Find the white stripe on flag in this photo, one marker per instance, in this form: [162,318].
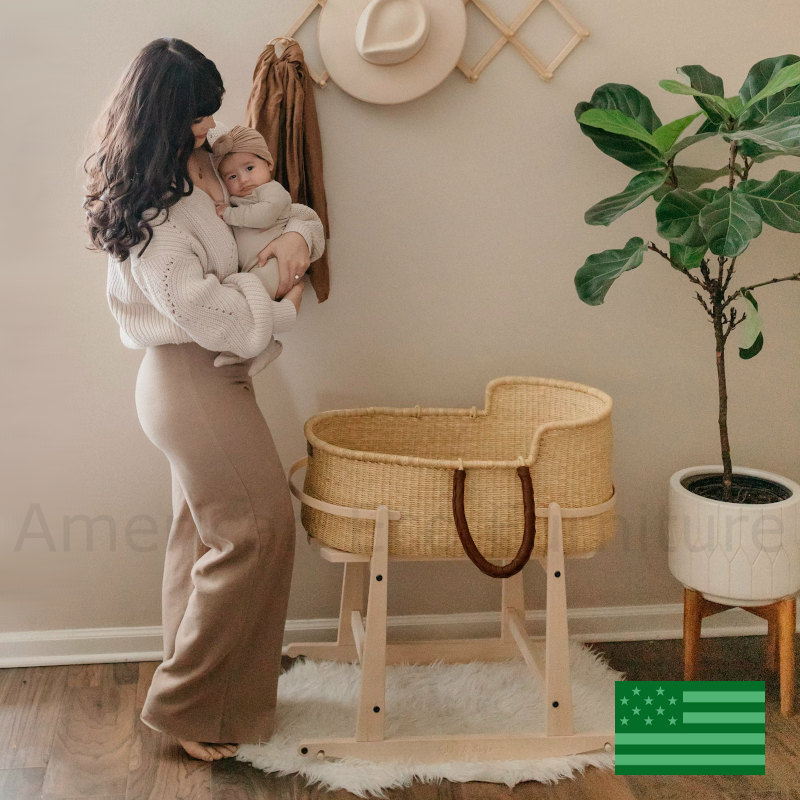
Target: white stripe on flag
[689,738]
[688,758]
[723,697]
[721,717]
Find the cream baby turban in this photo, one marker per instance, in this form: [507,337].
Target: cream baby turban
[241,139]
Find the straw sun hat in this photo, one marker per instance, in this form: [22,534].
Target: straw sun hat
[391,51]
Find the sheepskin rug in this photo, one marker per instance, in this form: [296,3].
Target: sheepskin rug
[319,699]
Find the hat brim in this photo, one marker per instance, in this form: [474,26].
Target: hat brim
[395,83]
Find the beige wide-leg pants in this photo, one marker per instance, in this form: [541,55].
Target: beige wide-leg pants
[230,551]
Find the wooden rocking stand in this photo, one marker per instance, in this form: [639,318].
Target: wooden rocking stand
[364,640]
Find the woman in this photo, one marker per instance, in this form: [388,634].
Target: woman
[174,288]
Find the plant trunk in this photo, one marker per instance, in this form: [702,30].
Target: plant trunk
[727,470]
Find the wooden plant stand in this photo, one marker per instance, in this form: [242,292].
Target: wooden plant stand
[781,621]
[362,637]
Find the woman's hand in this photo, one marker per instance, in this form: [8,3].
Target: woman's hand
[291,250]
[295,294]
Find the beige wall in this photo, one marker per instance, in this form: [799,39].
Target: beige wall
[457,225]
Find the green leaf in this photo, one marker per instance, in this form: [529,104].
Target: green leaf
[615,121]
[629,100]
[690,178]
[703,80]
[688,257]
[677,216]
[632,103]
[594,278]
[783,103]
[729,223]
[783,136]
[755,349]
[637,191]
[749,148]
[765,156]
[662,191]
[676,87]
[777,201]
[666,135]
[751,338]
[632,153]
[783,79]
[709,126]
[779,106]
[708,83]
[688,141]
[719,104]
[735,104]
[762,72]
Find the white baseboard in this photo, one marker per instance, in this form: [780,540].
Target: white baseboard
[609,624]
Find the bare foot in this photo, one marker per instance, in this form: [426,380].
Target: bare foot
[208,751]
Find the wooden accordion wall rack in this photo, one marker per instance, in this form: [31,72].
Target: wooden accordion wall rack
[508,35]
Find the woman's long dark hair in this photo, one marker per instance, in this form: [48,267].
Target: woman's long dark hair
[143,140]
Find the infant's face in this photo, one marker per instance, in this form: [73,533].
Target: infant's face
[242,172]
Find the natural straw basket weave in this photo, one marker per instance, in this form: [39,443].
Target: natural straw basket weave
[405,458]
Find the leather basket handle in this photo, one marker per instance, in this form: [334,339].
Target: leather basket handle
[525,549]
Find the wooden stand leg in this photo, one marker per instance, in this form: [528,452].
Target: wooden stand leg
[787,620]
[370,722]
[558,684]
[781,617]
[513,632]
[513,596]
[352,600]
[692,621]
[772,644]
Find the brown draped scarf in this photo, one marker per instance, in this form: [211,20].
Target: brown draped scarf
[281,107]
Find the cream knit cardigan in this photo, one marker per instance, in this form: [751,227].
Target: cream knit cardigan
[187,286]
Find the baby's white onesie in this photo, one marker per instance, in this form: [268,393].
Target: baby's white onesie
[257,219]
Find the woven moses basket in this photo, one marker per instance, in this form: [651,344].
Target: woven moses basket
[467,480]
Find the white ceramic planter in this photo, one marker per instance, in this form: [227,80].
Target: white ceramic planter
[735,553]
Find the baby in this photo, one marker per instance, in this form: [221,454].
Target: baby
[259,211]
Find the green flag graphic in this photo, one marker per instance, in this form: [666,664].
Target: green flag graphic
[689,728]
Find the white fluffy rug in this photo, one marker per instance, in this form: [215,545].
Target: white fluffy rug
[320,698]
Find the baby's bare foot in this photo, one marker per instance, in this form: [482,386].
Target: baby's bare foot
[208,751]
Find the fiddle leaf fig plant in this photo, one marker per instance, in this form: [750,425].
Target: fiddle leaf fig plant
[705,229]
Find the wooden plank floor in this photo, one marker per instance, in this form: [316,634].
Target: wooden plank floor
[74,732]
